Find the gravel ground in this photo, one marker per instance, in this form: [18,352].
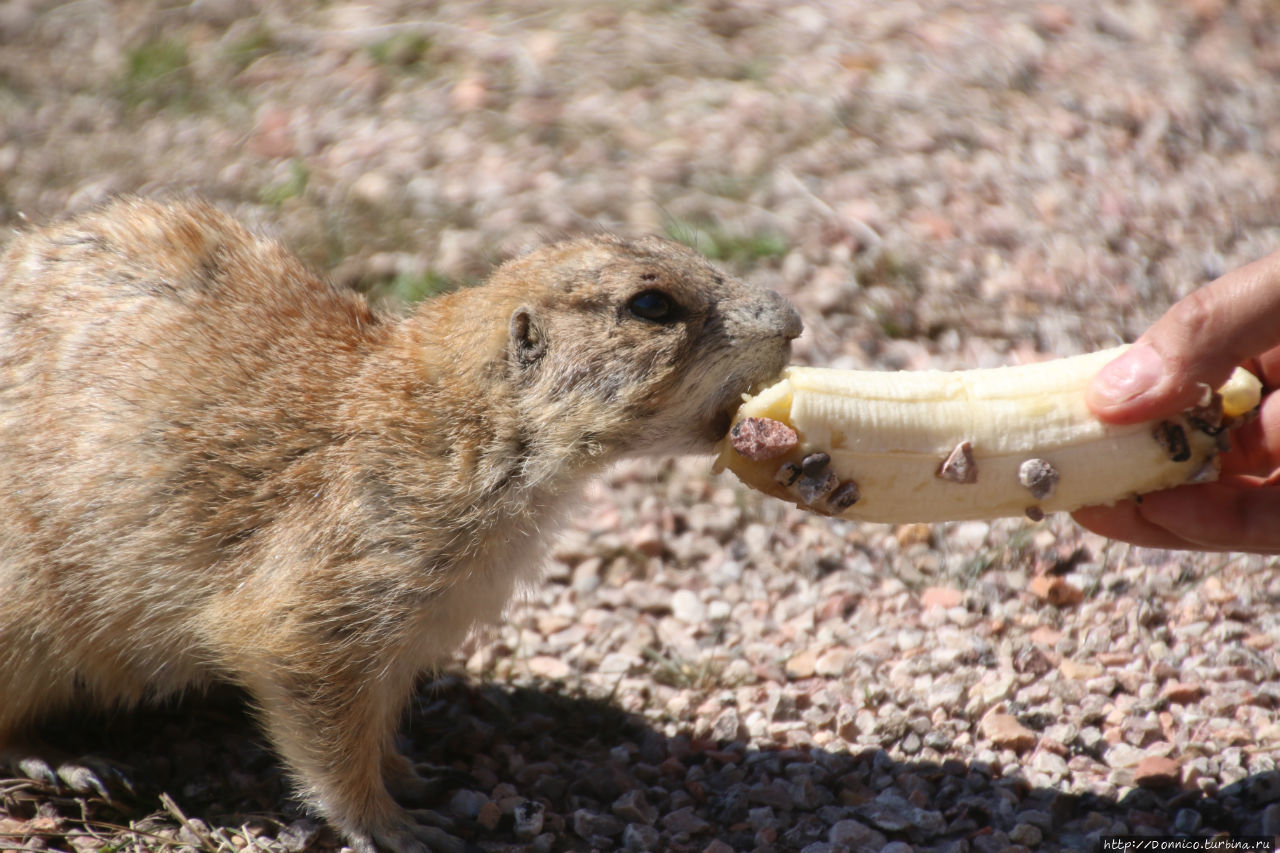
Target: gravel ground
[934,184]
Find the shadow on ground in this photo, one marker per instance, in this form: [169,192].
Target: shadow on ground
[605,780]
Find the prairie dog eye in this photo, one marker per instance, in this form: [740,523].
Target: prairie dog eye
[654,306]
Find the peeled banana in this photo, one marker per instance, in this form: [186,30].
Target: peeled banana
[925,446]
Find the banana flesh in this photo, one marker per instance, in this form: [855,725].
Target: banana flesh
[927,446]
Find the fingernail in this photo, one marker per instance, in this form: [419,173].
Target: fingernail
[1129,376]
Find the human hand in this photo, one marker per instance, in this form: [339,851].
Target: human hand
[1233,321]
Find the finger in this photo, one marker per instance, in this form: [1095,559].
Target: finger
[1267,368]
[1226,516]
[1195,344]
[1255,446]
[1123,521]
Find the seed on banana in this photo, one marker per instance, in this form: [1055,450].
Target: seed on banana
[931,445]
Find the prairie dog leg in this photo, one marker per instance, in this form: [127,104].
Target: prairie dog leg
[337,742]
[402,779]
[417,784]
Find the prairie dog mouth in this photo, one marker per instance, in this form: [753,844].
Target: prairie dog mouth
[718,425]
[721,419]
[740,388]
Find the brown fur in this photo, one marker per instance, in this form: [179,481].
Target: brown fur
[215,465]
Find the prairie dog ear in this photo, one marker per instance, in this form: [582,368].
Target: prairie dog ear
[528,342]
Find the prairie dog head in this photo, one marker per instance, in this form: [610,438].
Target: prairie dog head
[633,347]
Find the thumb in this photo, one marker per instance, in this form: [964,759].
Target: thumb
[1195,345]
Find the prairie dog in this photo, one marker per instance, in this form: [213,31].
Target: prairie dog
[215,465]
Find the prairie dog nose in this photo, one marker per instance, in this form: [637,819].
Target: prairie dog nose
[792,325]
[775,310]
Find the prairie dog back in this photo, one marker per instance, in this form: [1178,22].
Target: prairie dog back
[142,412]
[216,465]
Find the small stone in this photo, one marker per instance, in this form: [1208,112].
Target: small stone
[1091,737]
[970,534]
[1216,591]
[781,705]
[1122,755]
[467,804]
[891,813]
[585,577]
[489,815]
[727,725]
[775,794]
[946,695]
[471,93]
[996,687]
[1055,590]
[587,824]
[633,807]
[813,488]
[616,663]
[815,464]
[1048,762]
[1034,513]
[1271,820]
[959,466]
[760,439]
[846,495]
[1079,671]
[1037,818]
[913,534]
[1006,732]
[1187,822]
[717,846]
[647,539]
[787,474]
[847,721]
[909,638]
[1045,636]
[1039,477]
[529,816]
[891,816]
[897,847]
[1103,685]
[994,842]
[850,834]
[834,663]
[1156,771]
[1263,787]
[1181,692]
[688,608]
[684,820]
[1026,835]
[637,836]
[545,666]
[373,188]
[802,664]
[944,597]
